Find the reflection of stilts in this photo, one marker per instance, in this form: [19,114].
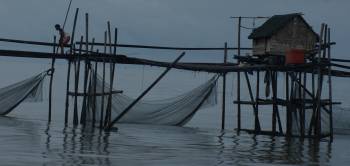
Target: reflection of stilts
[221,148]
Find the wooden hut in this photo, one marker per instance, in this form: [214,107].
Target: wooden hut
[282,33]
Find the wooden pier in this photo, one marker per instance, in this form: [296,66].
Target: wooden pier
[303,83]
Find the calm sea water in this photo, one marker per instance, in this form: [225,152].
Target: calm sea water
[27,139]
[27,142]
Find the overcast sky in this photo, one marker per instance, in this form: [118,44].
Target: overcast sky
[187,23]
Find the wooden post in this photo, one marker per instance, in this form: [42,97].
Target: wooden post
[121,115]
[224,91]
[302,117]
[109,104]
[71,50]
[274,105]
[67,94]
[112,74]
[257,127]
[330,85]
[300,103]
[51,78]
[94,96]
[292,99]
[277,110]
[239,77]
[91,98]
[288,110]
[103,80]
[76,86]
[319,87]
[86,70]
[238,101]
[257,92]
[69,68]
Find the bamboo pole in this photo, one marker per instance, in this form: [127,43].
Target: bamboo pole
[319,87]
[49,44]
[303,107]
[51,79]
[94,97]
[239,101]
[67,90]
[292,99]
[257,127]
[90,99]
[112,74]
[69,67]
[257,92]
[86,70]
[239,77]
[76,86]
[103,80]
[330,86]
[300,103]
[274,116]
[288,110]
[131,105]
[313,124]
[277,110]
[224,91]
[109,104]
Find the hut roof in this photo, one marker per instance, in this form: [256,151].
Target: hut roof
[274,24]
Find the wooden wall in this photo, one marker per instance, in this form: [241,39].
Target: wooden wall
[295,34]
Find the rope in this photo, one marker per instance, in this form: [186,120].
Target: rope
[249,28]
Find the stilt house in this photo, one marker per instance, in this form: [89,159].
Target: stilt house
[282,33]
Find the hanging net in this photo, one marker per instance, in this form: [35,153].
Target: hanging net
[172,111]
[27,90]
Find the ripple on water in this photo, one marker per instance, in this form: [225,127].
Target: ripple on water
[26,142]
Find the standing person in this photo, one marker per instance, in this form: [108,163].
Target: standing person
[64,37]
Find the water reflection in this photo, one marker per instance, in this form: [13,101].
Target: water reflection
[51,144]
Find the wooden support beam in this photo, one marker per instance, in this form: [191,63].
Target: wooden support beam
[275,115]
[330,86]
[94,110]
[131,105]
[51,80]
[256,115]
[103,81]
[111,75]
[69,66]
[257,94]
[224,92]
[288,110]
[239,76]
[66,113]
[318,126]
[86,71]
[138,46]
[302,116]
[76,85]
[239,101]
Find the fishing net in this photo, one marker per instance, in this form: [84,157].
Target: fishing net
[27,90]
[172,111]
[341,122]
